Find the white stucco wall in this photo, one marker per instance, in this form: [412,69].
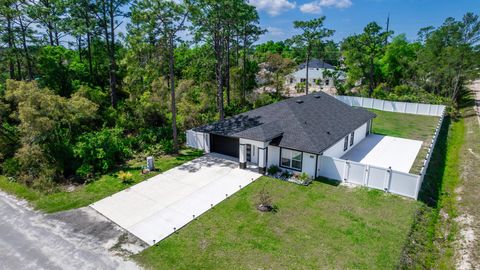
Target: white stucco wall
[308,163]
[255,148]
[337,149]
[273,155]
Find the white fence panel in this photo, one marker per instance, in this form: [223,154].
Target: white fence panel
[368,102]
[376,177]
[191,139]
[400,183]
[331,168]
[389,106]
[378,104]
[411,108]
[404,184]
[356,173]
[423,109]
[355,101]
[198,140]
[393,106]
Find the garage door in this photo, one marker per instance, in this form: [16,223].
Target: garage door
[224,145]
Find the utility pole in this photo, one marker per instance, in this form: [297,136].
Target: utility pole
[388,28]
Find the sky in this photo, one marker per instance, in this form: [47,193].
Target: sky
[348,17]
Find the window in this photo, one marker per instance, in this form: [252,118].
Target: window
[291,80]
[291,159]
[345,144]
[327,82]
[303,80]
[352,138]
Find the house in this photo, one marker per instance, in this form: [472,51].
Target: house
[290,134]
[321,76]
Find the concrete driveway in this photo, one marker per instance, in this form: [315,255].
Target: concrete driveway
[155,208]
[76,239]
[386,151]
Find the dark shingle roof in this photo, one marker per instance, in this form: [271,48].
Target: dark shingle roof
[316,63]
[310,123]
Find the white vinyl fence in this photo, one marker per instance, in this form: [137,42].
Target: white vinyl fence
[388,180]
[198,140]
[431,147]
[393,106]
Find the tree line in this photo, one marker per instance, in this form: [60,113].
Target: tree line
[78,96]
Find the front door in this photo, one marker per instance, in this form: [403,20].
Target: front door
[249,152]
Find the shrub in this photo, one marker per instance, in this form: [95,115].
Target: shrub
[35,169]
[100,151]
[11,167]
[125,177]
[304,177]
[272,170]
[286,174]
[300,87]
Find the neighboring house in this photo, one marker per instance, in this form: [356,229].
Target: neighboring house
[290,134]
[320,77]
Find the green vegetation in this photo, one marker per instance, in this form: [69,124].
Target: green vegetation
[73,196]
[77,102]
[409,126]
[320,225]
[431,240]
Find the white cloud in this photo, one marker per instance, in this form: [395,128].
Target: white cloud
[312,7]
[315,7]
[273,7]
[275,32]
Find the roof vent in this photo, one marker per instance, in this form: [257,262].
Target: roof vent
[317,96]
[299,101]
[328,132]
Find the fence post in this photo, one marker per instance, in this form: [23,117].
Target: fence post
[419,184]
[362,101]
[388,177]
[383,105]
[366,175]
[416,108]
[405,107]
[345,171]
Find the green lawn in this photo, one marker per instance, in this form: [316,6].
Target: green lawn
[84,195]
[409,126]
[319,226]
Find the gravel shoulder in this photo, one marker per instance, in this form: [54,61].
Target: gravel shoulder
[75,239]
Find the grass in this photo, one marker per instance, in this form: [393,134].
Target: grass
[409,126]
[431,241]
[84,195]
[319,226]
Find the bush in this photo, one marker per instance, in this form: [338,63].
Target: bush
[11,167]
[304,177]
[125,177]
[35,169]
[100,151]
[301,87]
[286,174]
[272,170]
[153,140]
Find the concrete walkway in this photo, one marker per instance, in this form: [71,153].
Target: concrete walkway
[155,208]
[33,240]
[385,151]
